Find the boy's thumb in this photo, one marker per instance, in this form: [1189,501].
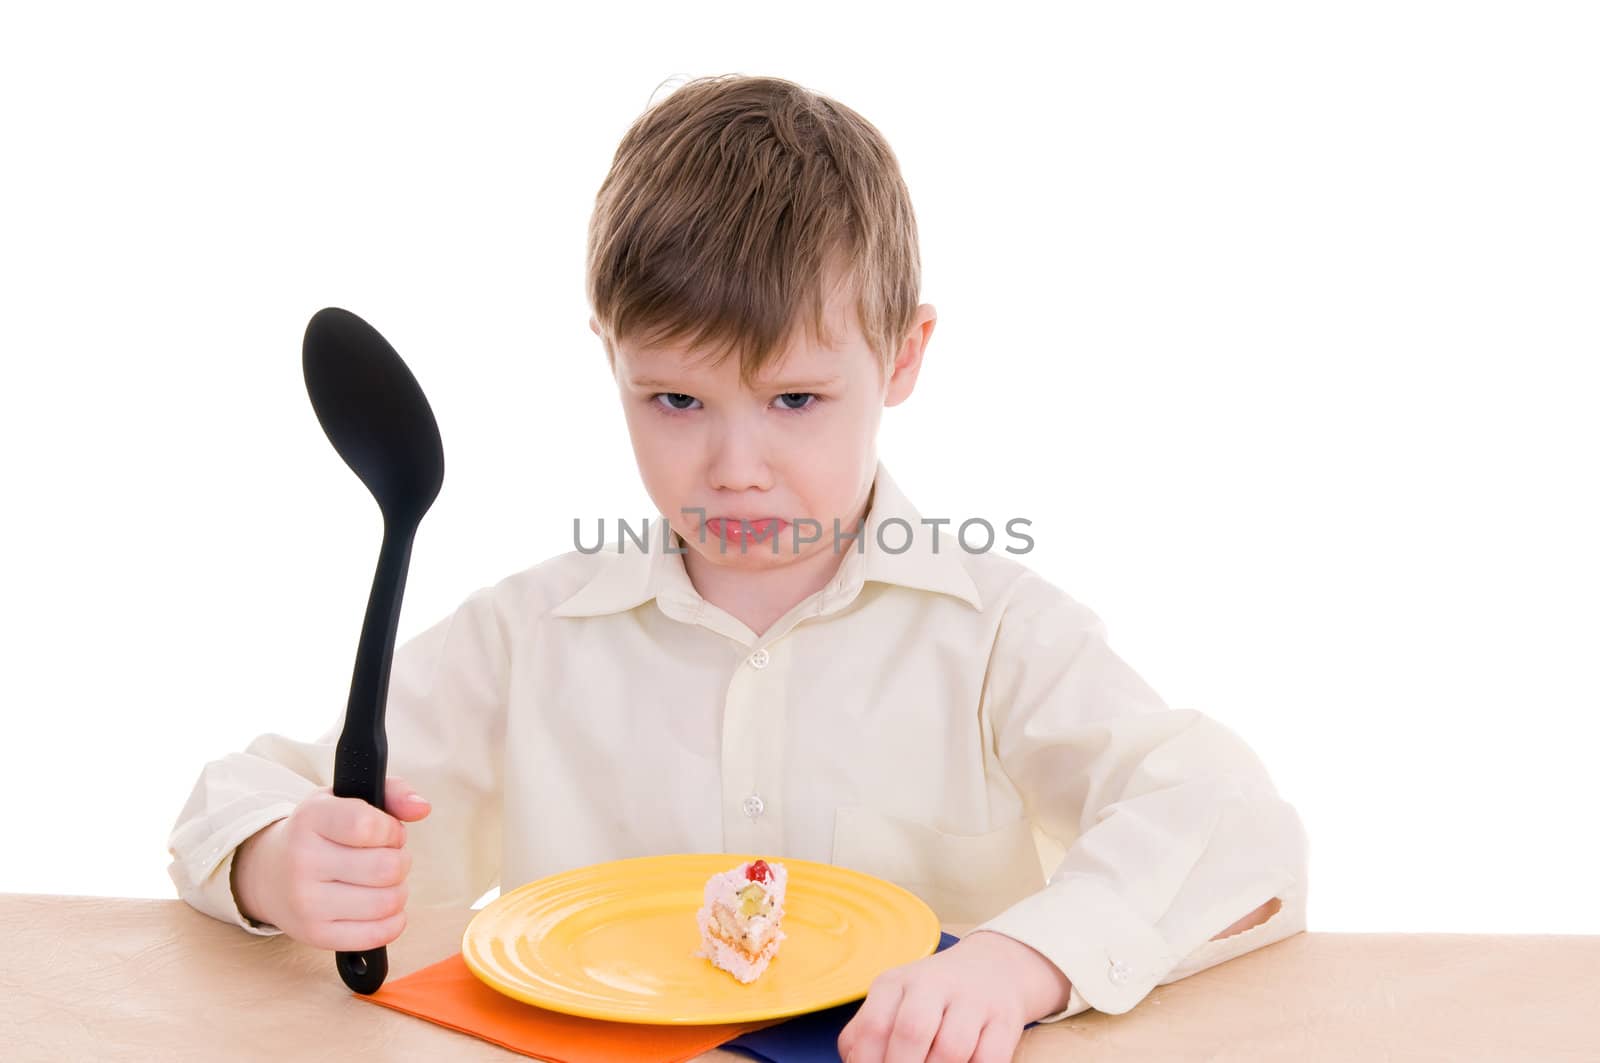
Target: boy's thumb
[402,802]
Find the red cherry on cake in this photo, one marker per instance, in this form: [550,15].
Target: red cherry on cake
[758,871]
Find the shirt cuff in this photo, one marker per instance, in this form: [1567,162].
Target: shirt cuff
[203,851]
[1112,956]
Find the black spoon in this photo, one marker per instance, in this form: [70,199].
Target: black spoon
[380,423]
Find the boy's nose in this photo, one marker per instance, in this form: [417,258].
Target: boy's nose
[738,459]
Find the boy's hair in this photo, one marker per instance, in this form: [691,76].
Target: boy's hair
[730,204]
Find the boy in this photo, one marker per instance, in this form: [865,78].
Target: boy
[804,666]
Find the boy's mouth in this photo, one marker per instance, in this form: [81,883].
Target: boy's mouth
[730,528]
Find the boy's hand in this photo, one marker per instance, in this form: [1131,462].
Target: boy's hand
[967,1003]
[332,874]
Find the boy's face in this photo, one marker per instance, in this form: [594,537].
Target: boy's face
[801,444]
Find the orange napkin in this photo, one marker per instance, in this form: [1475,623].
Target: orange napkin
[449,994]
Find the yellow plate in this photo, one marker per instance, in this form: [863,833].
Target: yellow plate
[617,940]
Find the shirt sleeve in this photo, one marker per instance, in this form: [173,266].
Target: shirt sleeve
[445,722]
[1172,828]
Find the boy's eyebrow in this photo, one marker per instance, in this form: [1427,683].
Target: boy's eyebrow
[805,385]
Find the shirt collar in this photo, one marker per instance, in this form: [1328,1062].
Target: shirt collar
[638,574]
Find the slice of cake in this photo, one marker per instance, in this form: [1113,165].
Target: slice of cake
[739,922]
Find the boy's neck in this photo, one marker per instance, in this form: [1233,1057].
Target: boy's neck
[759,599]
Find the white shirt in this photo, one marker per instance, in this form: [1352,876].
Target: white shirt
[949,721]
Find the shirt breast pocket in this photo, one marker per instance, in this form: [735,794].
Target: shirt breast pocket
[964,878]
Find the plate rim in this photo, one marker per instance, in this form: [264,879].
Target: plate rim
[754,1014]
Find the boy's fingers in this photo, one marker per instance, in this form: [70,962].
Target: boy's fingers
[351,821]
[996,1044]
[916,1023]
[402,802]
[866,1036]
[358,936]
[383,866]
[957,1040]
[340,901]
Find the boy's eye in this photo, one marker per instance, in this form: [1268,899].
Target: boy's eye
[800,397]
[674,398]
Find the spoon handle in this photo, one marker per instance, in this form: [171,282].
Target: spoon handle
[361,758]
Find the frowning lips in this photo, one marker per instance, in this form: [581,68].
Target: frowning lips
[730,527]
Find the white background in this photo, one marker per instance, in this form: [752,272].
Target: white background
[1276,320]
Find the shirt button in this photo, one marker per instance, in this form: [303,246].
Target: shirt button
[754,806]
[1119,973]
[759,659]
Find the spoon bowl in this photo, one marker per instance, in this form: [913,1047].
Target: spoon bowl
[373,412]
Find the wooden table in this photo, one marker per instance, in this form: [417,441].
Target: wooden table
[89,978]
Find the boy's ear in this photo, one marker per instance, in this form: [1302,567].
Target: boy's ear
[594,326]
[909,361]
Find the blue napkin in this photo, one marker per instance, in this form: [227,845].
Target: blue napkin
[810,1038]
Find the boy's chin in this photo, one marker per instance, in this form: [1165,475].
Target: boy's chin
[751,555]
